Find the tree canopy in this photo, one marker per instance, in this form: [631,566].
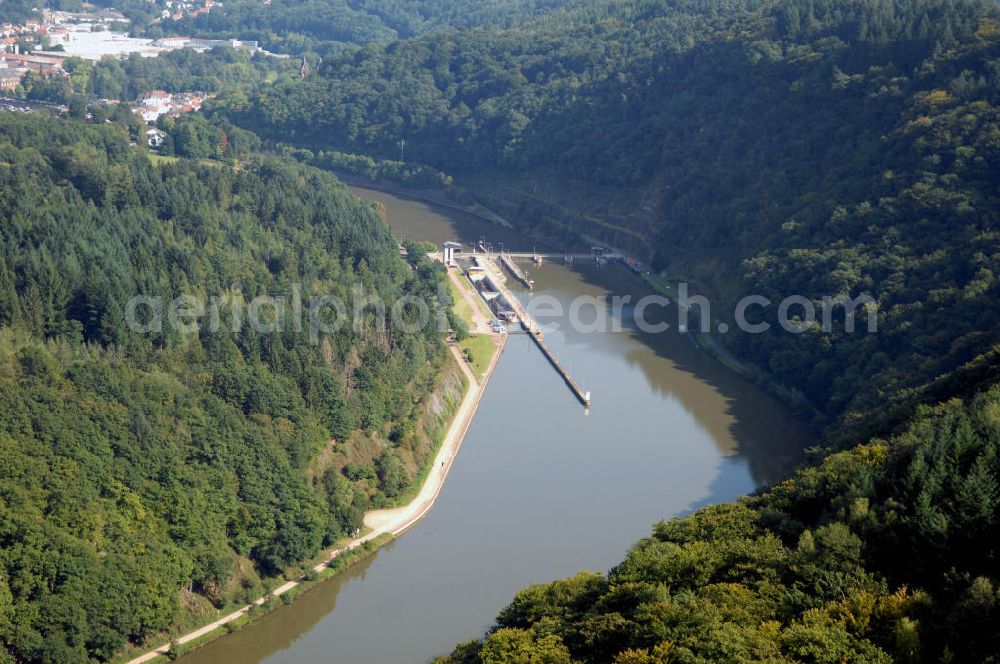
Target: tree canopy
[884,553]
[140,462]
[820,148]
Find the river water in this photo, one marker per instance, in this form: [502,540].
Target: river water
[541,489]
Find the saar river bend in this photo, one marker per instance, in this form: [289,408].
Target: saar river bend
[540,490]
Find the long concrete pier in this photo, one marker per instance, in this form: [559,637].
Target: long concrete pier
[579,392]
[535,332]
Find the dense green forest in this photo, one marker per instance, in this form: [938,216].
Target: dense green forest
[136,463]
[779,147]
[817,148]
[331,26]
[884,553]
[16,11]
[809,147]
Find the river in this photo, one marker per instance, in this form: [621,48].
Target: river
[541,489]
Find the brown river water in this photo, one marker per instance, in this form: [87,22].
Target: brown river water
[540,489]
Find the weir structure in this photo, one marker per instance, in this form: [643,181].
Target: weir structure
[539,257]
[516,272]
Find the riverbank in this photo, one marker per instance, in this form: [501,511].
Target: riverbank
[398,520]
[708,343]
[488,200]
[705,342]
[439,197]
[383,525]
[681,429]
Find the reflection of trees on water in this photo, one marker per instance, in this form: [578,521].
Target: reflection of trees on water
[739,416]
[284,626]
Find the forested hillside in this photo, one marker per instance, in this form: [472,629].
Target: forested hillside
[135,464]
[885,553]
[328,26]
[786,147]
[816,148]
[778,147]
[15,10]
